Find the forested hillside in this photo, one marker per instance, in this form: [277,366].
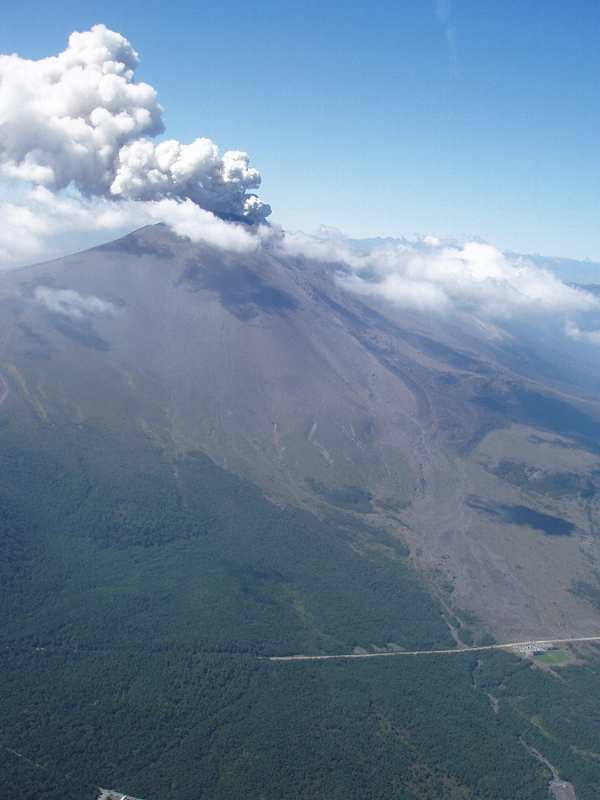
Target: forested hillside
[139,596]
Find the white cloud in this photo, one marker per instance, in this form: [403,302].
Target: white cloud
[435,276]
[188,220]
[31,230]
[574,332]
[78,119]
[70,303]
[65,118]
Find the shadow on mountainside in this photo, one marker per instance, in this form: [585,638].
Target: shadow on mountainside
[526,517]
[241,291]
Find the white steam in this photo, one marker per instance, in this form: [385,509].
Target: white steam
[28,229]
[64,119]
[193,171]
[79,120]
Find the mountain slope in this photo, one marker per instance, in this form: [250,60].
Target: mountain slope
[478,451]
[206,459]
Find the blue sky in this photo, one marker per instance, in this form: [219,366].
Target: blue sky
[462,118]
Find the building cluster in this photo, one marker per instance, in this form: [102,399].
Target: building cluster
[108,794]
[533,648]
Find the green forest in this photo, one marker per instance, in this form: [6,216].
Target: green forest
[142,590]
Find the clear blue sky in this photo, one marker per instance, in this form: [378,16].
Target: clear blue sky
[462,118]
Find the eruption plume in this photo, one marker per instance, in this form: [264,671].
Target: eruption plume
[78,119]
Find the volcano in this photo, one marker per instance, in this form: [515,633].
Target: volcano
[475,449]
[213,463]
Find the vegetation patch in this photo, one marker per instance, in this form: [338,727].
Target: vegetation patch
[588,591]
[559,718]
[557,658]
[557,485]
[352,498]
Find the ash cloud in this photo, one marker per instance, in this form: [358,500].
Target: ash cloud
[79,126]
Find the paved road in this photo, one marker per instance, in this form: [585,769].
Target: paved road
[432,652]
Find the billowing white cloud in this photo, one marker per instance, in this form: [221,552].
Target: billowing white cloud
[70,303]
[29,230]
[64,119]
[189,220]
[79,120]
[435,276]
[194,171]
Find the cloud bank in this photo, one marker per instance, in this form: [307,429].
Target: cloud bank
[433,276]
[79,122]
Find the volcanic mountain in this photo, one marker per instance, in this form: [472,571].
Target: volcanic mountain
[478,451]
